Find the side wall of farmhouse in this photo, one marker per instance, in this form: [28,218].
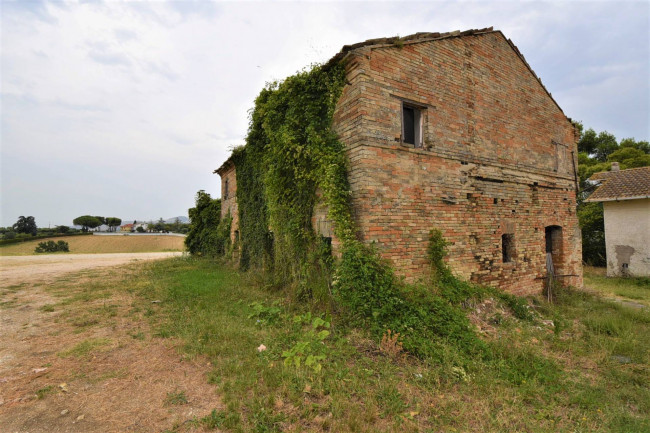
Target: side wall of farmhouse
[498,158]
[229,200]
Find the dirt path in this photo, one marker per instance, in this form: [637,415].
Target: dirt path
[43,268]
[79,356]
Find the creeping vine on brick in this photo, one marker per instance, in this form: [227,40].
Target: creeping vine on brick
[292,154]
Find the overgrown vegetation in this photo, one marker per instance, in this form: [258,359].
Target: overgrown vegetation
[579,365]
[209,234]
[291,153]
[291,160]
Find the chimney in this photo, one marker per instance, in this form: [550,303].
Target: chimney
[615,166]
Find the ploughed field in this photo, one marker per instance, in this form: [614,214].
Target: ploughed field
[103,244]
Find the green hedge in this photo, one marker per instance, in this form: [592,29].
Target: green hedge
[33,238]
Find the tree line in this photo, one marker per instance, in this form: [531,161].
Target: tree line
[89,222]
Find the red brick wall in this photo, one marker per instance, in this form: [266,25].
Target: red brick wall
[490,132]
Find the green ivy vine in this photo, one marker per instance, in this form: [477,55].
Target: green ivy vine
[291,155]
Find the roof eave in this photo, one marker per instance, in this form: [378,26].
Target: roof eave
[636,197]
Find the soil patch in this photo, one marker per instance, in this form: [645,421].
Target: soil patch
[76,358]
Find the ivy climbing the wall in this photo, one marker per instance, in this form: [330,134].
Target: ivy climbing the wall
[291,153]
[292,159]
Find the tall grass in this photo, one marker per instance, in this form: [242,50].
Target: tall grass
[589,372]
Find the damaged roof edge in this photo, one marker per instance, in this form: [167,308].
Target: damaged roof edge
[420,37]
[225,166]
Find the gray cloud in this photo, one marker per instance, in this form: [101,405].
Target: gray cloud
[126,108]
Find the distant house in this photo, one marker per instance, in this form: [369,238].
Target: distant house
[625,195]
[133,227]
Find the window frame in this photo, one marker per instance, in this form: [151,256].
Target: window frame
[418,123]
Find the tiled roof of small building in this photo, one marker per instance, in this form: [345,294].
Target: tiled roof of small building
[630,184]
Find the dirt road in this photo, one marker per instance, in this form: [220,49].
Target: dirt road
[79,351]
[18,269]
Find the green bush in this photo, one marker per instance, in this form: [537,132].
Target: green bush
[209,234]
[365,285]
[52,247]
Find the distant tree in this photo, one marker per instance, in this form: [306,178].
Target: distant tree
[87,222]
[113,223]
[140,229]
[62,229]
[101,219]
[160,225]
[25,225]
[597,146]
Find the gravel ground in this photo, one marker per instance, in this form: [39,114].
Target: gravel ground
[18,269]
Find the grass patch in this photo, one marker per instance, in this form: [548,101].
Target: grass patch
[85,348]
[176,398]
[41,393]
[636,289]
[589,372]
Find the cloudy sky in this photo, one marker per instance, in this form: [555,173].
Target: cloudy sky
[125,108]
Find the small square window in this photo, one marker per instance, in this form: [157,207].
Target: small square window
[411,125]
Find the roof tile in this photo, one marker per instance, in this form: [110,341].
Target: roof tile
[629,184]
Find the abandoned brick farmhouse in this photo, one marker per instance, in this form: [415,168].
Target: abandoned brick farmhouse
[454,131]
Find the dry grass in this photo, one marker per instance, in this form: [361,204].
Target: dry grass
[104,244]
[112,376]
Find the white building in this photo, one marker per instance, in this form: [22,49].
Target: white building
[626,200]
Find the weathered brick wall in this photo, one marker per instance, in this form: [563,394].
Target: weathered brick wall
[497,158]
[229,200]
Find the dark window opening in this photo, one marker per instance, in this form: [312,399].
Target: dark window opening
[553,239]
[496,201]
[225,190]
[507,247]
[411,125]
[236,236]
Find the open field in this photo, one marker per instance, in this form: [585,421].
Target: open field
[173,346]
[103,244]
[631,290]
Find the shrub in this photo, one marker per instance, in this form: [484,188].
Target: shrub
[209,234]
[52,247]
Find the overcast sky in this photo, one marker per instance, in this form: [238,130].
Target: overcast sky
[126,108]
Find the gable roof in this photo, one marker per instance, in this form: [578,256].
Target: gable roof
[426,37]
[630,184]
